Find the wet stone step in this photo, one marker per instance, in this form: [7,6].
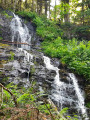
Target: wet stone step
[5,57]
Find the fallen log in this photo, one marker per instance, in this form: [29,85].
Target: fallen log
[10,42]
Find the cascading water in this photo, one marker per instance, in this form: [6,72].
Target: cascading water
[63,94]
[67,95]
[22,39]
[20,33]
[79,95]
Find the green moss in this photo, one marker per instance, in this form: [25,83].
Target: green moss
[35,63]
[4,45]
[1,72]
[7,16]
[88,104]
[5,79]
[25,21]
[32,69]
[12,56]
[1,38]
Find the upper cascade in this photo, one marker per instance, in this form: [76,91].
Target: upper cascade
[20,33]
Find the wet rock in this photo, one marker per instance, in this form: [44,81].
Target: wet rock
[5,57]
[51,75]
[39,60]
[62,72]
[14,73]
[24,75]
[8,67]
[5,28]
[87,91]
[64,79]
[55,62]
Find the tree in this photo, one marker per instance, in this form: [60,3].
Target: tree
[46,5]
[66,10]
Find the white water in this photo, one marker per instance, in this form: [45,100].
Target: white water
[59,93]
[79,95]
[20,33]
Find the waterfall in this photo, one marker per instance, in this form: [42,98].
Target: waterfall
[62,94]
[79,95]
[20,33]
[22,39]
[66,95]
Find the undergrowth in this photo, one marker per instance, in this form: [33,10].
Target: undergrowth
[31,105]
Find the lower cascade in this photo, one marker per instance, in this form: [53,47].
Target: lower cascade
[66,94]
[63,94]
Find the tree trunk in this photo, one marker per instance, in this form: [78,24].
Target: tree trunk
[66,10]
[55,11]
[49,10]
[88,4]
[37,6]
[26,3]
[83,12]
[15,2]
[46,7]
[40,11]
[32,5]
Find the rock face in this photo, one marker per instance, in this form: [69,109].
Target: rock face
[22,72]
[5,32]
[12,68]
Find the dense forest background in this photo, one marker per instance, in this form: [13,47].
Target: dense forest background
[74,13]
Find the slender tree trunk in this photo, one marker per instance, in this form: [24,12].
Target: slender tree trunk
[66,10]
[26,3]
[55,11]
[20,5]
[40,12]
[88,4]
[15,2]
[32,5]
[46,7]
[37,6]
[2,3]
[83,12]
[49,10]
[11,1]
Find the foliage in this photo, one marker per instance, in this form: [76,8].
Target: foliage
[27,15]
[27,100]
[1,38]
[88,104]
[72,53]
[12,55]
[46,29]
[83,32]
[6,14]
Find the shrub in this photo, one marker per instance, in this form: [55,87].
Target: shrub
[72,53]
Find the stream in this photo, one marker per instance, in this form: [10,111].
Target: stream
[63,94]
